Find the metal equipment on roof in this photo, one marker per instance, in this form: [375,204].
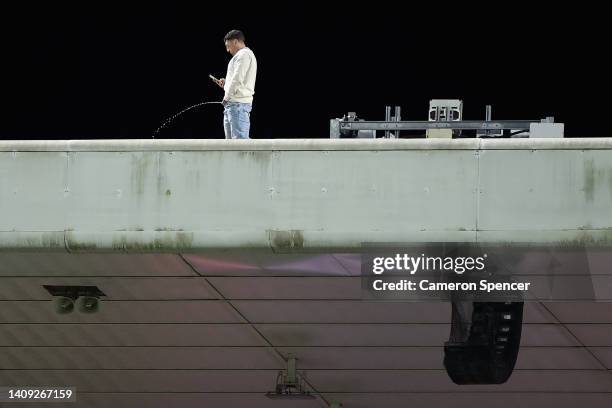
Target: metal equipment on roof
[445,120]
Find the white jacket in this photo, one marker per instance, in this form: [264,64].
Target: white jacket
[240,78]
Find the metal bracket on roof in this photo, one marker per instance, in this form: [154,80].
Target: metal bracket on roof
[289,384]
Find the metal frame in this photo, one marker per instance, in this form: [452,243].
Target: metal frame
[392,125]
[423,125]
[289,384]
[336,126]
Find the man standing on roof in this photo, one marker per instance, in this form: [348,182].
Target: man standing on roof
[239,86]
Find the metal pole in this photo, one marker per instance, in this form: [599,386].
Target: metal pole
[291,369]
[387,119]
[398,118]
[487,117]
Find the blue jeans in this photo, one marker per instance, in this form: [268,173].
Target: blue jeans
[236,120]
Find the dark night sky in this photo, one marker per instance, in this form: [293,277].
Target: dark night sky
[117,71]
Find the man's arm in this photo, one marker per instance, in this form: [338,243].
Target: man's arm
[240,68]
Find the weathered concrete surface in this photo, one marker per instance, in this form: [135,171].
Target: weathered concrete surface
[296,194]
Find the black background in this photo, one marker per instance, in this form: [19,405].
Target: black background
[102,70]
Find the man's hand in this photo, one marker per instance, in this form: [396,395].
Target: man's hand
[220,82]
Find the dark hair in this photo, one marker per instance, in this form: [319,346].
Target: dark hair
[234,35]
